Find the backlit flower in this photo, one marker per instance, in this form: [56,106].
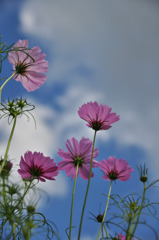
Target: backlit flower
[29,65]
[78,153]
[114,168]
[36,166]
[98,117]
[120,237]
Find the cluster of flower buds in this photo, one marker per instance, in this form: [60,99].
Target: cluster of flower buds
[16,107]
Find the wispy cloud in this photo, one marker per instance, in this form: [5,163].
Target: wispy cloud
[110,49]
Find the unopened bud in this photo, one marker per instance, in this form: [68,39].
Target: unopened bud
[6,169]
[30,209]
[99,218]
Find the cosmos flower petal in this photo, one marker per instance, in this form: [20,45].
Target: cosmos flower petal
[24,165]
[43,179]
[71,171]
[69,146]
[50,170]
[39,67]
[24,175]
[84,172]
[30,82]
[95,164]
[65,164]
[106,177]
[20,55]
[37,78]
[63,154]
[75,145]
[28,156]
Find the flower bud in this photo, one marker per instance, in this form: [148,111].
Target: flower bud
[6,169]
[134,206]
[143,173]
[12,190]
[30,209]
[16,107]
[143,178]
[99,218]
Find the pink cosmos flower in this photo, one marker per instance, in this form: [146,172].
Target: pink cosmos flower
[29,65]
[36,166]
[99,117]
[114,168]
[121,237]
[78,153]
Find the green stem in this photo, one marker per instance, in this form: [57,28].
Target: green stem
[73,201]
[28,234]
[27,228]
[8,145]
[102,232]
[20,205]
[83,209]
[105,231]
[13,231]
[12,223]
[5,200]
[128,229]
[132,227]
[5,84]
[131,234]
[4,192]
[105,210]
[22,199]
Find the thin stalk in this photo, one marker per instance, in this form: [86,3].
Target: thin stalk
[102,232]
[105,231]
[131,234]
[74,186]
[27,233]
[13,224]
[105,210]
[8,145]
[4,191]
[5,199]
[5,84]
[132,227]
[25,192]
[13,231]
[20,205]
[128,229]
[83,209]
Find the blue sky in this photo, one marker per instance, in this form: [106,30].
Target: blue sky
[105,51]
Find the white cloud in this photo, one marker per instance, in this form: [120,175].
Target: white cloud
[117,43]
[26,137]
[120,40]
